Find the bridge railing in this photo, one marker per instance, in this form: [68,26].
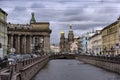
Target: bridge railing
[3,64]
[19,65]
[23,63]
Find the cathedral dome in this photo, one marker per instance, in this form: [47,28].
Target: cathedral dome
[62,32]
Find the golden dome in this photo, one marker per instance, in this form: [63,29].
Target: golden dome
[62,32]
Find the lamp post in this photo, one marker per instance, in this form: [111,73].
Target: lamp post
[11,62]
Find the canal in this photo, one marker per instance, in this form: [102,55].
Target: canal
[73,70]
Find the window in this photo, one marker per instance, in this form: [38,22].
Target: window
[0,45]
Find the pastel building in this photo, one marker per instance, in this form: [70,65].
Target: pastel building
[84,43]
[95,43]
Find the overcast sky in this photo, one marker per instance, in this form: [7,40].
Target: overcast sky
[84,15]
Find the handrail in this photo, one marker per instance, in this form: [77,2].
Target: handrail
[11,73]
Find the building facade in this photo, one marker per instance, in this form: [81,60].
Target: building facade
[85,41]
[79,44]
[29,38]
[111,38]
[89,46]
[95,45]
[74,46]
[62,42]
[54,48]
[3,33]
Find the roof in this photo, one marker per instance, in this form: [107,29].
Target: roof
[114,23]
[96,34]
[3,12]
[41,23]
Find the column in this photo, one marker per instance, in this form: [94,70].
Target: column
[30,46]
[47,43]
[18,43]
[11,41]
[27,44]
[24,43]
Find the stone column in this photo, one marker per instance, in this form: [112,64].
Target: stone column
[11,41]
[24,38]
[22,44]
[23,47]
[18,43]
[30,46]
[47,43]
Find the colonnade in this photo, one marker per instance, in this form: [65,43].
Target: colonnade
[21,43]
[26,43]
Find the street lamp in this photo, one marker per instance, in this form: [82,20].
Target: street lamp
[11,62]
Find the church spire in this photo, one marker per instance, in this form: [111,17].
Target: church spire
[70,34]
[32,18]
[70,27]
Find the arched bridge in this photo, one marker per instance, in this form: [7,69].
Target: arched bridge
[62,56]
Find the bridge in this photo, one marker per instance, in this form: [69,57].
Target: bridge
[62,56]
[20,69]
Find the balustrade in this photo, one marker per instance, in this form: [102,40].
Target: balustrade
[112,59]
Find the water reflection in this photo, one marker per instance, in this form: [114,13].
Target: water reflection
[73,70]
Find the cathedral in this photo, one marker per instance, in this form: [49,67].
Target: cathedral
[65,43]
[29,38]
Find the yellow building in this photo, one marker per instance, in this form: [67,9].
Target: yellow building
[110,38]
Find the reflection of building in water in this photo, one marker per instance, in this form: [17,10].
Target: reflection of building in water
[27,38]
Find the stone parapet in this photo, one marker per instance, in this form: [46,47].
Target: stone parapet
[22,68]
[108,63]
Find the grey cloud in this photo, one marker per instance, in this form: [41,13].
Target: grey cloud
[37,5]
[83,27]
[72,11]
[63,12]
[107,10]
[76,18]
[19,9]
[87,26]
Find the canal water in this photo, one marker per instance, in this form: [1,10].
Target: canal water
[73,70]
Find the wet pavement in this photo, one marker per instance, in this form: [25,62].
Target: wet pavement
[73,70]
